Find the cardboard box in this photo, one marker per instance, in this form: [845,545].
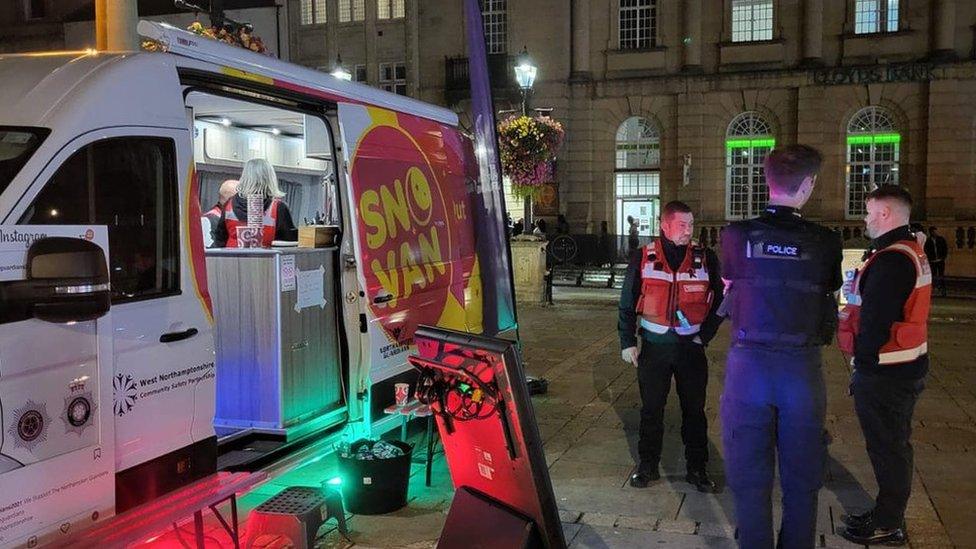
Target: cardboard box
[318,236]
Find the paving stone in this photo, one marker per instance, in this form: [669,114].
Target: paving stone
[598,519]
[677,526]
[643,522]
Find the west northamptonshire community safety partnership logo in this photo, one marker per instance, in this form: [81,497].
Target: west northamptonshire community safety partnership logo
[123,393]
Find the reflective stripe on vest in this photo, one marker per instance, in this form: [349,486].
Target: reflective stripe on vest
[909,337]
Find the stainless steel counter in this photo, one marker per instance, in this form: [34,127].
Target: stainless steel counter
[278,362]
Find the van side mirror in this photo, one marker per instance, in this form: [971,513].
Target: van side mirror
[67,281]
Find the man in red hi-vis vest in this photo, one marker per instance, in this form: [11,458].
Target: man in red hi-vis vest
[670,294]
[884,328]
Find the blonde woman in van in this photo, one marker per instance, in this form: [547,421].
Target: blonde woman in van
[258,179]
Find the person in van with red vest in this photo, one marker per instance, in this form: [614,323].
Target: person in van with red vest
[884,331]
[214,216]
[257,179]
[670,294]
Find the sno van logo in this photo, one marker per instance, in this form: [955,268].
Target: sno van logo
[406,232]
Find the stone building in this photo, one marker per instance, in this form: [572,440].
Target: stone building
[681,99]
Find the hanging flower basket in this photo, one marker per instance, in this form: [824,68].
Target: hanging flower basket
[528,147]
[240,38]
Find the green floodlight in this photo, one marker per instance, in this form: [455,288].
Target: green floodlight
[746,143]
[876,138]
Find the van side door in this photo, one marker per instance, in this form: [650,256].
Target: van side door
[134,181]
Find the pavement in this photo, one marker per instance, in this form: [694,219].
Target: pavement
[588,422]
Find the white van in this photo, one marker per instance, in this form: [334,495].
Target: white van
[120,150]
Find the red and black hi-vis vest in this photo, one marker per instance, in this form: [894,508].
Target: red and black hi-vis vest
[665,292]
[269,224]
[909,337]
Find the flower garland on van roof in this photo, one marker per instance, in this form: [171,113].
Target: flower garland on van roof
[528,147]
[240,37]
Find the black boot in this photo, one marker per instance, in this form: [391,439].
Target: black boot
[644,475]
[870,534]
[858,520]
[699,479]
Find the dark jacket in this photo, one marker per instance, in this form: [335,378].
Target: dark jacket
[284,226]
[885,287]
[936,249]
[627,319]
[784,271]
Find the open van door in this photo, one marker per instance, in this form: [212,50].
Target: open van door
[57,465]
[407,184]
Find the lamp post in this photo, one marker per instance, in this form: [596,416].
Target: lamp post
[525,73]
[339,71]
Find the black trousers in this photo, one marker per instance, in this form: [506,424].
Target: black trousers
[938,276]
[658,363]
[884,407]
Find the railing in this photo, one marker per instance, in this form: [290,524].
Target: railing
[596,251]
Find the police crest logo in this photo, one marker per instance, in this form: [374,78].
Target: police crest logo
[774,250]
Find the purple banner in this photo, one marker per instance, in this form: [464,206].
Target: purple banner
[494,254]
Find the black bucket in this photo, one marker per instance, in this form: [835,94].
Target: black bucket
[375,486]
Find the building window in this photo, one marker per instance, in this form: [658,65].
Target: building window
[637,177]
[352,10]
[638,24]
[752,20]
[393,77]
[360,74]
[313,12]
[873,16]
[389,9]
[873,151]
[34,9]
[493,15]
[748,140]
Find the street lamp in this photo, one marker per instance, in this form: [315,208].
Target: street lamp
[339,71]
[525,72]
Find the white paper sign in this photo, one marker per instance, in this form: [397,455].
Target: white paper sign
[311,289]
[287,273]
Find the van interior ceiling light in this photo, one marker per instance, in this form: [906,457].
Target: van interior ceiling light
[225,121]
[276,131]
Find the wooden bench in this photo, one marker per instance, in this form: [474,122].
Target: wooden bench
[154,517]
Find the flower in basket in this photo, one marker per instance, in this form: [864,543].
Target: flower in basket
[528,145]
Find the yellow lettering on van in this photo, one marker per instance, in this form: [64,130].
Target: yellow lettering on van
[430,254]
[369,210]
[388,276]
[412,275]
[395,208]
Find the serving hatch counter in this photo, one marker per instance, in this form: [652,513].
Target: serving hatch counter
[278,364]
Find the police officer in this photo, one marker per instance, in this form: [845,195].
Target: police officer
[885,327]
[670,294]
[780,272]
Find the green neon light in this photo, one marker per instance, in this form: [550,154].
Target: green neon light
[335,481]
[876,138]
[746,143]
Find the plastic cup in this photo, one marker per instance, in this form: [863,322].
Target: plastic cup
[402,393]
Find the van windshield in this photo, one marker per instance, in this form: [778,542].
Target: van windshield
[16,147]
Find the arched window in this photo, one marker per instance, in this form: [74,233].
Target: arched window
[748,140]
[637,176]
[873,149]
